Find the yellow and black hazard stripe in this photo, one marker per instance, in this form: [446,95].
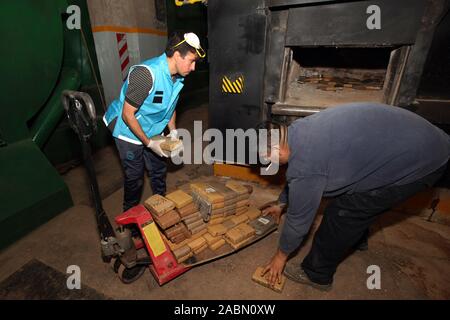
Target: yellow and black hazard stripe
[236,86]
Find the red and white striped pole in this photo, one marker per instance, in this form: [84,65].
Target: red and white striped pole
[123,54]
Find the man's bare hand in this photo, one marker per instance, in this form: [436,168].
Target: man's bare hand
[274,209]
[274,269]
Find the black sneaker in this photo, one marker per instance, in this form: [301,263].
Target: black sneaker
[296,273]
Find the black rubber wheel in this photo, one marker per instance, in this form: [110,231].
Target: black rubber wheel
[115,264]
[129,275]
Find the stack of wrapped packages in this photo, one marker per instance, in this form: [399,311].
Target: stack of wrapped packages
[188,233]
[162,210]
[188,211]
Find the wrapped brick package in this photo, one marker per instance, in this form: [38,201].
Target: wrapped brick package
[237,187]
[200,228]
[197,243]
[175,230]
[239,219]
[187,210]
[210,239]
[207,192]
[168,143]
[168,219]
[228,224]
[193,218]
[241,211]
[158,205]
[178,238]
[228,194]
[253,213]
[202,248]
[217,245]
[184,258]
[240,233]
[217,230]
[242,203]
[180,198]
[194,224]
[182,251]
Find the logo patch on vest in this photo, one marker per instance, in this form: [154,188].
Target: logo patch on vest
[158,98]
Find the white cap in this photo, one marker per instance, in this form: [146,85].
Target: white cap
[192,39]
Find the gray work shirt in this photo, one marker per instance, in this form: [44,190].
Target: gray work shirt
[354,148]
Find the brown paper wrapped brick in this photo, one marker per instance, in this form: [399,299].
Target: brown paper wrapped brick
[243,197]
[253,213]
[217,205]
[234,236]
[194,224]
[216,220]
[239,219]
[196,214]
[193,219]
[228,194]
[239,245]
[224,209]
[242,203]
[264,281]
[217,230]
[168,143]
[241,211]
[187,210]
[200,228]
[184,258]
[210,239]
[180,198]
[237,187]
[182,251]
[202,248]
[240,234]
[216,215]
[174,246]
[178,238]
[246,230]
[218,244]
[197,243]
[168,219]
[175,230]
[158,205]
[229,224]
[207,192]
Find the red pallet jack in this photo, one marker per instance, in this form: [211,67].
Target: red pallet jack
[137,243]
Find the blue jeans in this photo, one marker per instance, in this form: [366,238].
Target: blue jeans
[135,159]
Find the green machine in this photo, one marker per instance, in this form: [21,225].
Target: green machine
[40,58]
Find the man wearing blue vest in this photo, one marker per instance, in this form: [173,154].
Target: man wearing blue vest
[145,107]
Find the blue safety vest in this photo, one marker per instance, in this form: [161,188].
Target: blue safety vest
[158,107]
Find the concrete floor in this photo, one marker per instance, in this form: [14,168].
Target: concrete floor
[412,252]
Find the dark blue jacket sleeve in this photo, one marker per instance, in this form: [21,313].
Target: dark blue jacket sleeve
[305,194]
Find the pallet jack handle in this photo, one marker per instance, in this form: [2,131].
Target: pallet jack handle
[81,114]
